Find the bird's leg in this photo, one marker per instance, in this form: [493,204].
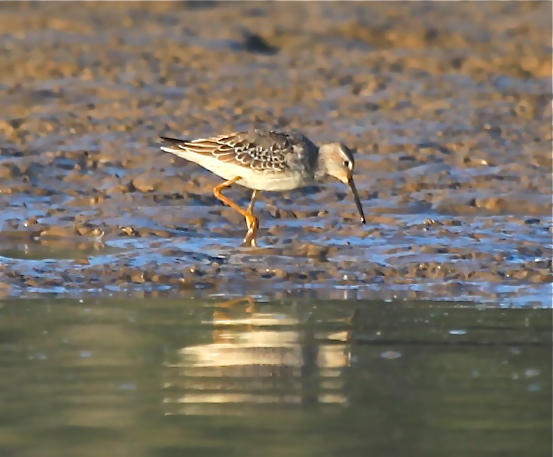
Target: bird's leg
[251,220]
[252,202]
[252,223]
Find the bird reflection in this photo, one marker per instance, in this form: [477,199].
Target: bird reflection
[256,358]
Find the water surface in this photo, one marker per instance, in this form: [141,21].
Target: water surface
[217,377]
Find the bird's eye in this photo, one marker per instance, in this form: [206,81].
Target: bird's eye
[347,164]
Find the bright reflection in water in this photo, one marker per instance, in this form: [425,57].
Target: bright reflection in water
[171,378]
[257,358]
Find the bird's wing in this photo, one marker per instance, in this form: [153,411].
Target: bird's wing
[263,151]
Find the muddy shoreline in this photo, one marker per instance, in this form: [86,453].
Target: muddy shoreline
[447,106]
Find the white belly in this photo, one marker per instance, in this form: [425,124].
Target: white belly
[271,181]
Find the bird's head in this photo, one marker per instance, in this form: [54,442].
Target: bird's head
[336,160]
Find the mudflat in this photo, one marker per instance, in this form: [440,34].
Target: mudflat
[448,106]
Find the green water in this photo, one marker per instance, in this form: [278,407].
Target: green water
[172,378]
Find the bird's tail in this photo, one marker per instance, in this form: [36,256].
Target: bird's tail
[167,142]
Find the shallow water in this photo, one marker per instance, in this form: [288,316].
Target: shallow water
[290,377]
[426,331]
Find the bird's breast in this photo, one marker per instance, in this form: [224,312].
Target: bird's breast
[276,182]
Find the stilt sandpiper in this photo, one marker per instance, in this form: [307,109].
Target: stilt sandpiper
[266,160]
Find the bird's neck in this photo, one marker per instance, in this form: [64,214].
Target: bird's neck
[320,167]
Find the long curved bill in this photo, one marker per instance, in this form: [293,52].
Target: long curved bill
[356,198]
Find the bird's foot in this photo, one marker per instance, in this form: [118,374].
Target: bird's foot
[249,241]
[250,238]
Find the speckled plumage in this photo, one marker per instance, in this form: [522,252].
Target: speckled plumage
[262,151]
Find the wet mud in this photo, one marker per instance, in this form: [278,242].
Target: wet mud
[448,107]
